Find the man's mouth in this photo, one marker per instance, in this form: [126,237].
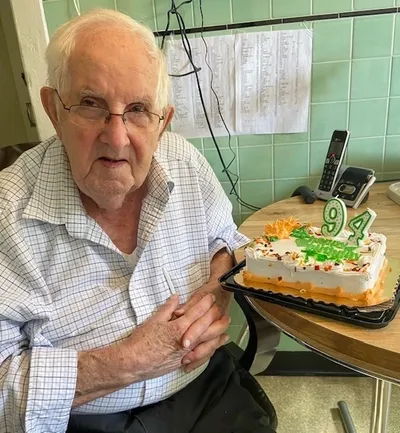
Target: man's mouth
[104,158]
[112,162]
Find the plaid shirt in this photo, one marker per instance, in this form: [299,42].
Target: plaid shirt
[65,287]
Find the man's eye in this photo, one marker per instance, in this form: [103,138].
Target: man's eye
[137,109]
[89,103]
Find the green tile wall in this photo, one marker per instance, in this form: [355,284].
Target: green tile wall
[355,85]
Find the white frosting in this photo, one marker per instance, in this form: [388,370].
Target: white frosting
[355,277]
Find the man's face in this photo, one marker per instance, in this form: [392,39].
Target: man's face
[111,70]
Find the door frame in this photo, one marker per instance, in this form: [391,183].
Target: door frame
[33,37]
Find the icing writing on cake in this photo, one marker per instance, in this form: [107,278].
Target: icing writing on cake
[323,249]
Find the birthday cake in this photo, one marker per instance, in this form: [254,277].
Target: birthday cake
[328,260]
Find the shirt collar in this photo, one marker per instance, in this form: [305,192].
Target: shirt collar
[160,187]
[160,183]
[55,197]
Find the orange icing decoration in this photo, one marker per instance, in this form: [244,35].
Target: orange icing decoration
[282,228]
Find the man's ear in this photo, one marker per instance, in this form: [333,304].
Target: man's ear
[49,105]
[169,114]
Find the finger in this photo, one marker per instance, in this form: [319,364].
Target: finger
[223,299]
[166,311]
[203,353]
[192,335]
[205,349]
[190,303]
[179,313]
[216,329]
[194,313]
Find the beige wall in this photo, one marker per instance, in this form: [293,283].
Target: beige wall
[12,128]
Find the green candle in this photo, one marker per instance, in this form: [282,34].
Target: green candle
[335,217]
[359,226]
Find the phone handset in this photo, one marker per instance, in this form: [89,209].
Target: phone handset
[333,161]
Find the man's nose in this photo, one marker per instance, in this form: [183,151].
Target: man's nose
[115,133]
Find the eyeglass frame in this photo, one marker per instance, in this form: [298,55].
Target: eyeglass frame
[108,118]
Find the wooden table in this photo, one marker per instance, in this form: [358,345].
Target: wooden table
[373,352]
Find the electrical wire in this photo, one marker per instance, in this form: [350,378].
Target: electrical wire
[188,50]
[172,11]
[217,100]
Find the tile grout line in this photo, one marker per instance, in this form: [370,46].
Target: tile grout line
[350,76]
[153,4]
[236,148]
[272,179]
[364,59]
[388,95]
[273,170]
[192,9]
[231,11]
[155,18]
[287,178]
[309,110]
[356,100]
[272,135]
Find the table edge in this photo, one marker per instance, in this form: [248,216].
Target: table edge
[377,369]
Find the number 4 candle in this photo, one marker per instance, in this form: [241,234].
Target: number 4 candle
[359,226]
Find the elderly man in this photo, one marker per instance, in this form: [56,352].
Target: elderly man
[113,236]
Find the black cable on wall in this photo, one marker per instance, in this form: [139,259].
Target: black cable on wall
[275,21]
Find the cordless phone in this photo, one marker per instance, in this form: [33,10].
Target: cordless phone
[350,184]
[333,162]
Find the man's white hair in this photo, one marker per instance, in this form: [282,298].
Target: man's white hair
[63,41]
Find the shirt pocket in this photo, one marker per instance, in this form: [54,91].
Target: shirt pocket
[185,280]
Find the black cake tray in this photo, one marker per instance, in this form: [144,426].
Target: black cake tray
[373,319]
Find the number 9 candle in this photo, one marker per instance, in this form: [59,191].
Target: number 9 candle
[335,217]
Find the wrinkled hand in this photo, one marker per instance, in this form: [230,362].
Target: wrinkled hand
[207,333]
[156,344]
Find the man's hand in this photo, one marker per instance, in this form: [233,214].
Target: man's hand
[207,333]
[156,345]
[153,349]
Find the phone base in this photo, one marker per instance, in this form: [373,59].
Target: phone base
[352,186]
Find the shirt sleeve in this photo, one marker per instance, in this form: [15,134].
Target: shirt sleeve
[222,231]
[37,381]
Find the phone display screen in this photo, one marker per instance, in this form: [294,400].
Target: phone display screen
[336,147]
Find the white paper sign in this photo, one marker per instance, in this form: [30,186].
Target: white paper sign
[262,81]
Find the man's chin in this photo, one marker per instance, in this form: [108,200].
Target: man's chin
[110,195]
[109,202]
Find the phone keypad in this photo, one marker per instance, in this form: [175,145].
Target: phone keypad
[328,174]
[336,149]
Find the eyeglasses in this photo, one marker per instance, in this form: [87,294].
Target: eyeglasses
[136,117]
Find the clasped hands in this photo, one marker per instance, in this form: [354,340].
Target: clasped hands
[178,336]
[205,335]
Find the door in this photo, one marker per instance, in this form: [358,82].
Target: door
[23,40]
[14,124]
